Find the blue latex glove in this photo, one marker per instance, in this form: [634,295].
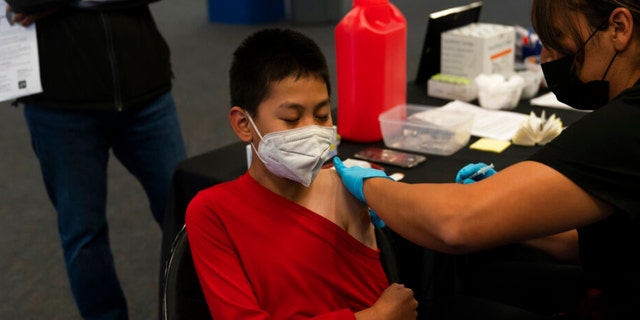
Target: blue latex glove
[353,179]
[474,172]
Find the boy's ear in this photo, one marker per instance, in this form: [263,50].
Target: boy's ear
[240,123]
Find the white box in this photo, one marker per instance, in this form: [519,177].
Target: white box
[478,48]
[425,129]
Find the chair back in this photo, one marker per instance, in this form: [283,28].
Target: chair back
[182,294]
[388,257]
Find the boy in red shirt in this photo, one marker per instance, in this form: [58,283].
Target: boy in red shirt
[286,240]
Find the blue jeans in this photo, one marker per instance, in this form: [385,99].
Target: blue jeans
[73,148]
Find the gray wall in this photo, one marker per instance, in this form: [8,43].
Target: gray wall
[498,11]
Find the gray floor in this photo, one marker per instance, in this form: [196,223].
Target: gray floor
[33,283]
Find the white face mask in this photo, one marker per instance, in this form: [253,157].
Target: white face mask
[296,154]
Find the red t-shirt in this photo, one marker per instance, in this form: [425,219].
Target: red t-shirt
[261,256]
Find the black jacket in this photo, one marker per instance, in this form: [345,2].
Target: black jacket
[106,55]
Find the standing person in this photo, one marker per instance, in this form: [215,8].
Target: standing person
[106,78]
[286,240]
[587,178]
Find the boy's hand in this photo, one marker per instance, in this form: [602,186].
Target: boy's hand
[395,303]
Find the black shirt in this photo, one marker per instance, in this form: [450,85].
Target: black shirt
[601,154]
[99,58]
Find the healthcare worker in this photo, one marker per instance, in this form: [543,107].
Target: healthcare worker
[587,178]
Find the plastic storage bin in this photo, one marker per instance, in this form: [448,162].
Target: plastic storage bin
[425,129]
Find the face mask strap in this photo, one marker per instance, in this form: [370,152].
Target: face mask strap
[255,150]
[253,124]
[580,51]
[600,27]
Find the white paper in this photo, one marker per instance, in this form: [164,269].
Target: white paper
[492,124]
[19,64]
[550,100]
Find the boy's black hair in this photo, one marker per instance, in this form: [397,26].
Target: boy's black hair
[272,55]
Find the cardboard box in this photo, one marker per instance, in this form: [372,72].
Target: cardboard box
[478,48]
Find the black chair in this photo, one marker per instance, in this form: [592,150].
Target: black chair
[388,257]
[182,294]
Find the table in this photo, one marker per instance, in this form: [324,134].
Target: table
[229,162]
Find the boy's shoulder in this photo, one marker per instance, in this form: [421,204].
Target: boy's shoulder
[219,198]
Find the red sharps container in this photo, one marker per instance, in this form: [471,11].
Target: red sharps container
[371,54]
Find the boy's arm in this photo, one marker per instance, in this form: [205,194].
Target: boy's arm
[227,291]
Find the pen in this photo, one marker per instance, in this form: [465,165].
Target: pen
[480,171]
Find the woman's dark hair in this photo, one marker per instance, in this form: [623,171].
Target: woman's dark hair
[552,19]
[269,56]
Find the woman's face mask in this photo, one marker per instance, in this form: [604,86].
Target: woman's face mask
[563,81]
[296,154]
[568,88]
